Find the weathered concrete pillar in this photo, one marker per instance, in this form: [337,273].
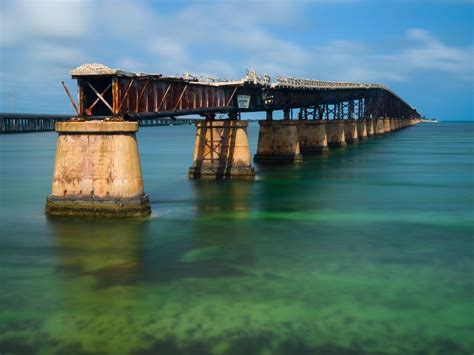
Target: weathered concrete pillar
[278,142]
[312,136]
[335,133]
[362,129]
[97,171]
[350,131]
[386,125]
[392,124]
[370,127]
[221,151]
[379,126]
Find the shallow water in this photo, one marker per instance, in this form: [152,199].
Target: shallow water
[368,250]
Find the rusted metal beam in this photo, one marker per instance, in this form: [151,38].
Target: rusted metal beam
[180,97]
[141,94]
[89,110]
[126,94]
[101,98]
[164,97]
[70,97]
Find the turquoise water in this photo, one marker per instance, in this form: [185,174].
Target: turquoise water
[368,250]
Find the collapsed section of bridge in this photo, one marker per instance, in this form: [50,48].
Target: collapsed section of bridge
[104,177]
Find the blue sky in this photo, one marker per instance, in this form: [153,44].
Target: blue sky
[424,50]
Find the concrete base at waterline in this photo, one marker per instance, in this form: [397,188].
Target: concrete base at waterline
[97,206]
[278,142]
[312,136]
[398,123]
[393,124]
[335,133]
[97,171]
[379,126]
[370,123]
[350,131]
[362,129]
[386,125]
[221,151]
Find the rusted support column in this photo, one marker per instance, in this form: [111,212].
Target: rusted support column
[362,129]
[312,136]
[221,151]
[97,171]
[386,125]
[350,131]
[379,126]
[335,133]
[370,122]
[278,142]
[286,114]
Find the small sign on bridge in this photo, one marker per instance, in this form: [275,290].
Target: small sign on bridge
[243,101]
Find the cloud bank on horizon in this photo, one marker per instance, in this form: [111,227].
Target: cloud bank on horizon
[422,50]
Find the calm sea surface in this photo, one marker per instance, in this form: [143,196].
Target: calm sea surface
[368,250]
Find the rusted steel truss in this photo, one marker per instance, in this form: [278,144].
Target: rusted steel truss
[149,96]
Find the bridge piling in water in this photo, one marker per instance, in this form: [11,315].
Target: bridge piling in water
[278,142]
[336,133]
[386,125]
[370,127]
[350,131]
[312,136]
[221,151]
[362,129]
[97,171]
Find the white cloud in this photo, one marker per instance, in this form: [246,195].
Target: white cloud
[428,53]
[26,20]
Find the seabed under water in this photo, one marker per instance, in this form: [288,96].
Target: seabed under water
[365,250]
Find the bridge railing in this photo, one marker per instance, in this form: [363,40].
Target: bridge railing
[295,83]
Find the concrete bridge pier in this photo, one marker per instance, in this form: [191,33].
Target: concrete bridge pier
[386,125]
[97,171]
[221,150]
[312,136]
[362,129]
[379,126]
[278,142]
[350,131]
[393,122]
[370,122]
[335,133]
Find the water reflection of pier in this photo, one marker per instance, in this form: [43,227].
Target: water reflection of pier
[107,251]
[223,200]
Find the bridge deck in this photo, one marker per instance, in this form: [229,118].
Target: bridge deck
[104,91]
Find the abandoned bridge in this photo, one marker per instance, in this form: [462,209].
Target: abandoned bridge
[97,168]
